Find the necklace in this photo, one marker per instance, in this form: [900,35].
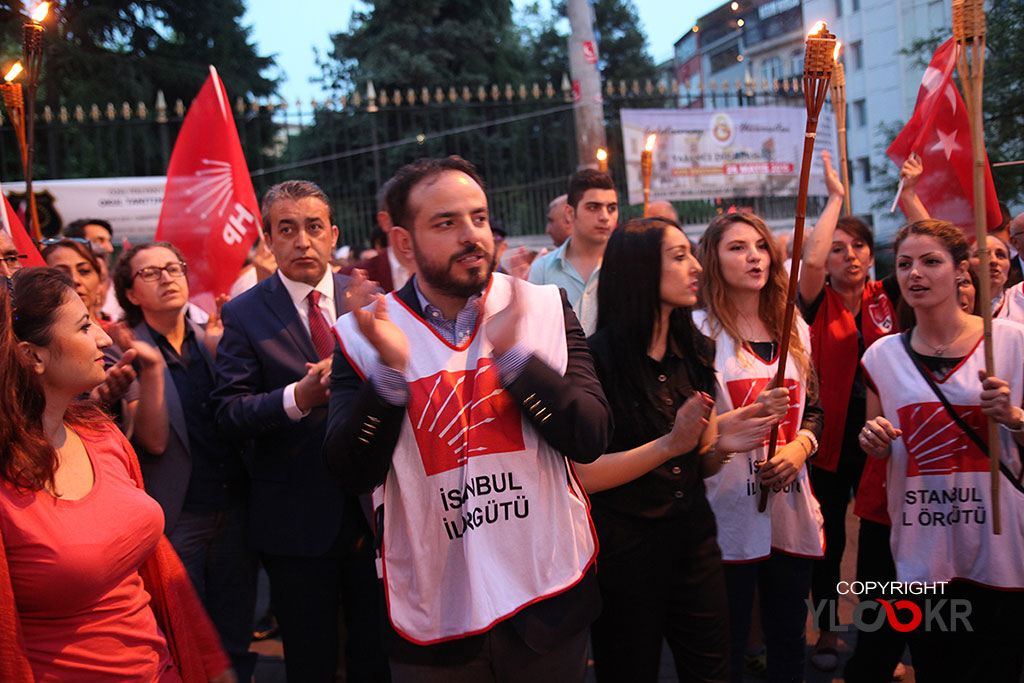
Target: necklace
[940,349]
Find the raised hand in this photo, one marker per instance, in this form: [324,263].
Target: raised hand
[689,425]
[877,436]
[215,326]
[119,378]
[519,262]
[744,429]
[311,390]
[385,336]
[911,172]
[359,292]
[502,327]
[832,180]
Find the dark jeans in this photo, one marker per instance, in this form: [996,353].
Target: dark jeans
[833,491]
[876,653]
[993,651]
[505,658]
[782,582]
[213,548]
[313,597]
[660,579]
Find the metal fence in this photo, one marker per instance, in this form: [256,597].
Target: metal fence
[521,138]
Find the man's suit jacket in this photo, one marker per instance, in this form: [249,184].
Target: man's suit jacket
[377,269]
[295,508]
[1016,274]
[574,418]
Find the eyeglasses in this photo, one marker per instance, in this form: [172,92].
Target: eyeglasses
[154,273]
[13,260]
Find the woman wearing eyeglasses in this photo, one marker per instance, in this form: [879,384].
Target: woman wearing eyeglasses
[90,590]
[10,259]
[139,407]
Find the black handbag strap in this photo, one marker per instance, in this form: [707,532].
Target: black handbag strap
[966,428]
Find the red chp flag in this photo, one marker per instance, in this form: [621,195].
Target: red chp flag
[12,225]
[210,211]
[940,133]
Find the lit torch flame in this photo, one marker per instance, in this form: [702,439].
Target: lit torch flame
[13,73]
[649,147]
[601,155]
[835,52]
[40,13]
[816,28]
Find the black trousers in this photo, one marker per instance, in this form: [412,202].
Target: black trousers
[833,491]
[783,581]
[313,597]
[876,653]
[660,579]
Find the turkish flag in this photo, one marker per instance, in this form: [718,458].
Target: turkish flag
[940,133]
[210,211]
[16,229]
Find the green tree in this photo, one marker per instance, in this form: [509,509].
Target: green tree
[1004,96]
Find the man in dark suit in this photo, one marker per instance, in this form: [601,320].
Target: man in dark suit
[198,479]
[272,365]
[1016,238]
[461,342]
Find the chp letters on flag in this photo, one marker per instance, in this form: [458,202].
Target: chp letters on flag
[209,211]
[12,225]
[940,133]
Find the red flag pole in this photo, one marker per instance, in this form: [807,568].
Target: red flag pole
[969,33]
[818,62]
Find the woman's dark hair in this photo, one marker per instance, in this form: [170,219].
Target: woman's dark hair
[629,308]
[123,278]
[949,235]
[857,229]
[27,313]
[81,249]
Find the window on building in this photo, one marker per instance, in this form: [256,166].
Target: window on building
[860,113]
[724,58]
[857,55]
[772,69]
[839,8]
[864,168]
[854,5]
[796,63]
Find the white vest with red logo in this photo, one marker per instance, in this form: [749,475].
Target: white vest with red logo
[792,523]
[938,485]
[481,516]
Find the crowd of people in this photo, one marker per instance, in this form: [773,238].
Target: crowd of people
[454,471]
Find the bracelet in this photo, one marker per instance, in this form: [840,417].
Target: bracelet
[712,452]
[813,439]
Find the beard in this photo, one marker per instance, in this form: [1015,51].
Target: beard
[439,275]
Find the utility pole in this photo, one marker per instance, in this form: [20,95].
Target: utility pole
[586,84]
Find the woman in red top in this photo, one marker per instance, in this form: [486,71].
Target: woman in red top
[90,590]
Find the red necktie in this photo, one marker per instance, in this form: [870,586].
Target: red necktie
[319,330]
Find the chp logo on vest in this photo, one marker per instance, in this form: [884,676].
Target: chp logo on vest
[936,445]
[745,391]
[460,415]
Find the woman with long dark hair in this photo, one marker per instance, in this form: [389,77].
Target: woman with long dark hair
[659,566]
[91,590]
[928,405]
[743,291]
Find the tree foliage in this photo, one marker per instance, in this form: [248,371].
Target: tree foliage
[126,50]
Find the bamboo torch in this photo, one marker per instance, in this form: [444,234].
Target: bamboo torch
[32,56]
[646,165]
[602,161]
[819,59]
[969,33]
[14,100]
[839,107]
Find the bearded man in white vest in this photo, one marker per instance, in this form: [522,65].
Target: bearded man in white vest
[461,401]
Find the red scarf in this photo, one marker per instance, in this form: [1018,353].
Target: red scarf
[835,353]
[191,637]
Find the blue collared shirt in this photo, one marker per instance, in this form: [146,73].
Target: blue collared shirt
[554,268]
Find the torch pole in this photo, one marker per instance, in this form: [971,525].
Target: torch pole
[839,107]
[818,62]
[969,32]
